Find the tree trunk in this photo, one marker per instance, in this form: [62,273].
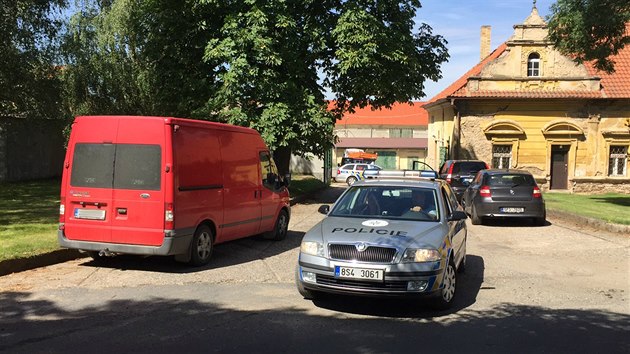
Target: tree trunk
[282,156]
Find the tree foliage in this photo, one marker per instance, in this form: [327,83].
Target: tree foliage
[137,57]
[28,72]
[264,64]
[273,53]
[590,30]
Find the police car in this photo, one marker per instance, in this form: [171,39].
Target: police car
[353,172]
[398,237]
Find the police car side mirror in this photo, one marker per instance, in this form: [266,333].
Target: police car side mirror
[458,215]
[324,209]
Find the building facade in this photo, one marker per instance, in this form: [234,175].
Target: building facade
[527,106]
[398,135]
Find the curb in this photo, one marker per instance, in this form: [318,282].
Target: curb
[590,222]
[21,264]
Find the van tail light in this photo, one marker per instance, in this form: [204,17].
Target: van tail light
[62,210]
[484,191]
[169,219]
[536,193]
[450,173]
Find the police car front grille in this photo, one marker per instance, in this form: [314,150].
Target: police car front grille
[371,254]
[392,285]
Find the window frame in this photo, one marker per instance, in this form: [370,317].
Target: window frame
[533,65]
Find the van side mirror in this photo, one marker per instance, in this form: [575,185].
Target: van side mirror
[324,209]
[287,179]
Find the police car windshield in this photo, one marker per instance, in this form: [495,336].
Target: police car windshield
[388,202]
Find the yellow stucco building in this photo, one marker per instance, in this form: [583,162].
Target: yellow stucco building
[527,106]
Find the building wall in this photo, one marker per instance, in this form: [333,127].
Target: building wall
[310,165]
[439,133]
[588,130]
[31,149]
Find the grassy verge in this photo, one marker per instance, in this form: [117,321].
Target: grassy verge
[29,216]
[610,207]
[301,185]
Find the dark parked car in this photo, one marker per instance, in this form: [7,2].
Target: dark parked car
[504,193]
[459,174]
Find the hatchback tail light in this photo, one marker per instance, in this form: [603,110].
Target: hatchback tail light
[169,219]
[484,191]
[62,210]
[536,193]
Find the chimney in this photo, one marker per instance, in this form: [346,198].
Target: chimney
[485,42]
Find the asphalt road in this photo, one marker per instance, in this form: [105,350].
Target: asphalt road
[557,289]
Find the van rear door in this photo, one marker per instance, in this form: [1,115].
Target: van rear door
[88,197]
[138,187]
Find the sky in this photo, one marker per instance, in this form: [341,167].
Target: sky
[460,21]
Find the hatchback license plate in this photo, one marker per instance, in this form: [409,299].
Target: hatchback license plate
[359,273]
[91,214]
[512,210]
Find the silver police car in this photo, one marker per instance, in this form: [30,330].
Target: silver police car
[403,237]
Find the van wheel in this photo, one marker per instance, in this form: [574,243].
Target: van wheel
[281,227]
[350,180]
[201,247]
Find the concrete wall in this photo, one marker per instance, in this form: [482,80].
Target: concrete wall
[30,149]
[307,166]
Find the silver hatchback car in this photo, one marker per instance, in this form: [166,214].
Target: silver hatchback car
[404,237]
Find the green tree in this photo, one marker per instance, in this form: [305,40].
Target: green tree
[138,57]
[29,85]
[590,30]
[273,53]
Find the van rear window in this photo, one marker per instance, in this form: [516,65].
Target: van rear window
[119,166]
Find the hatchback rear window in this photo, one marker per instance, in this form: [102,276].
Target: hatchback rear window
[468,167]
[511,180]
[119,166]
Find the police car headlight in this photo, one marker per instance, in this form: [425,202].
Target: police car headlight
[311,247]
[421,255]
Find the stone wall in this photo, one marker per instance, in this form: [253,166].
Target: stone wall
[31,149]
[600,186]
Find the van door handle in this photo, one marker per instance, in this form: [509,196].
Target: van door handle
[255,194]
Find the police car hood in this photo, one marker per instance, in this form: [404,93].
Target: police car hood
[394,233]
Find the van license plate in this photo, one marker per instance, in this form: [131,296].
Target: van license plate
[359,273]
[91,214]
[512,210]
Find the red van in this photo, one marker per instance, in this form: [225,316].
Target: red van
[167,186]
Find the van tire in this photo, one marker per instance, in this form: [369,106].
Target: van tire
[280,228]
[201,246]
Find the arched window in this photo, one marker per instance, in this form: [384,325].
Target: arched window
[533,65]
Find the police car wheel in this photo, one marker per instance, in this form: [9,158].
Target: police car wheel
[350,181]
[446,296]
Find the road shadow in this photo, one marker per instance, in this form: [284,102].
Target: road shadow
[224,255]
[513,222]
[469,285]
[32,324]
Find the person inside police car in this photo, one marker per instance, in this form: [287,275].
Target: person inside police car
[371,205]
[423,202]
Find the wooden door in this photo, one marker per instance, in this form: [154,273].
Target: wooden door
[559,166]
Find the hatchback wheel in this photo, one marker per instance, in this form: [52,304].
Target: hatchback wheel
[474,217]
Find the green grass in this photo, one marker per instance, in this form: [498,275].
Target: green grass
[301,185]
[610,207]
[29,217]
